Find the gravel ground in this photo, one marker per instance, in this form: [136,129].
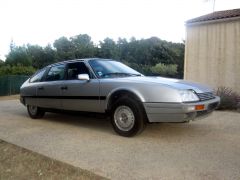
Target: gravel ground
[204,149]
[21,164]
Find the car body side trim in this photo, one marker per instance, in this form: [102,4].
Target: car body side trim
[69,97]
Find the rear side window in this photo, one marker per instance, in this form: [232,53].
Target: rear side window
[56,73]
[38,76]
[76,68]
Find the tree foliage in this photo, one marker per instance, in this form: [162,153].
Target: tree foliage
[16,70]
[151,56]
[83,46]
[19,55]
[41,56]
[165,70]
[108,49]
[64,48]
[1,63]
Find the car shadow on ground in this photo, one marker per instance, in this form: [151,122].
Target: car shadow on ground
[173,130]
[102,123]
[84,120]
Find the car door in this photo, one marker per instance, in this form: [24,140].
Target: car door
[50,89]
[80,95]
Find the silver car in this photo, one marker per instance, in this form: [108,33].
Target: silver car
[107,86]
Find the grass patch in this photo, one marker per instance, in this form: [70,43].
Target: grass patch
[20,163]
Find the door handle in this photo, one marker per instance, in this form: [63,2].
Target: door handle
[64,88]
[41,88]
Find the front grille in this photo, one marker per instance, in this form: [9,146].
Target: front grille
[212,106]
[205,96]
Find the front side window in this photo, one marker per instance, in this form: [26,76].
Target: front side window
[38,76]
[56,73]
[76,68]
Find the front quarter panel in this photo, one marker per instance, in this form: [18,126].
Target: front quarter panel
[146,92]
[28,91]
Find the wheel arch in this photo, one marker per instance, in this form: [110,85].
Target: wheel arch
[117,93]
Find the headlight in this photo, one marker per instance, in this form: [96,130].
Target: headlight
[188,96]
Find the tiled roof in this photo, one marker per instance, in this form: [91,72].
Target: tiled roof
[216,16]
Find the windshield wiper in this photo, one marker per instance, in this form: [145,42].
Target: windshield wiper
[134,74]
[120,73]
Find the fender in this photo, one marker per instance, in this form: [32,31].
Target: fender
[133,91]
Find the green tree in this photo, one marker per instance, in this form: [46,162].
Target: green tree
[19,55]
[108,49]
[41,56]
[83,47]
[1,63]
[65,48]
[122,45]
[151,56]
[16,70]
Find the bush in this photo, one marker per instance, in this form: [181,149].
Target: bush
[160,69]
[165,69]
[229,99]
[144,69]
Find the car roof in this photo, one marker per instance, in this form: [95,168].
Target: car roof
[79,60]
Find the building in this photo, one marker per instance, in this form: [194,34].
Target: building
[212,52]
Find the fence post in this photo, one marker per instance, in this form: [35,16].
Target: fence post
[10,84]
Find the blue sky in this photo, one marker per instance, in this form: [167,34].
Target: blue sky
[43,21]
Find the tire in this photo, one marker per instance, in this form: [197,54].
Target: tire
[128,117]
[35,112]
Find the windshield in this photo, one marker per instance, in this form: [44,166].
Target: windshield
[110,69]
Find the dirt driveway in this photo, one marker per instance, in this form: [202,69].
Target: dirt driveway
[205,149]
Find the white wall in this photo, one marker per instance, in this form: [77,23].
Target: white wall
[212,54]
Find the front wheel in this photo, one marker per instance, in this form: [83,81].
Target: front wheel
[128,117]
[35,112]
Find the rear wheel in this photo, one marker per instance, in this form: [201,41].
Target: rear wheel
[35,112]
[128,117]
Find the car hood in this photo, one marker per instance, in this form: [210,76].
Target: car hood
[174,83]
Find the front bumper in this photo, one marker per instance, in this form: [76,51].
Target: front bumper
[179,112]
[22,100]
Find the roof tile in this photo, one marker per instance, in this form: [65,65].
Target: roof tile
[216,16]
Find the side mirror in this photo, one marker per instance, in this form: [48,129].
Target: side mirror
[83,77]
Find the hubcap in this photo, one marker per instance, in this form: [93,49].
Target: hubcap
[33,109]
[124,118]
